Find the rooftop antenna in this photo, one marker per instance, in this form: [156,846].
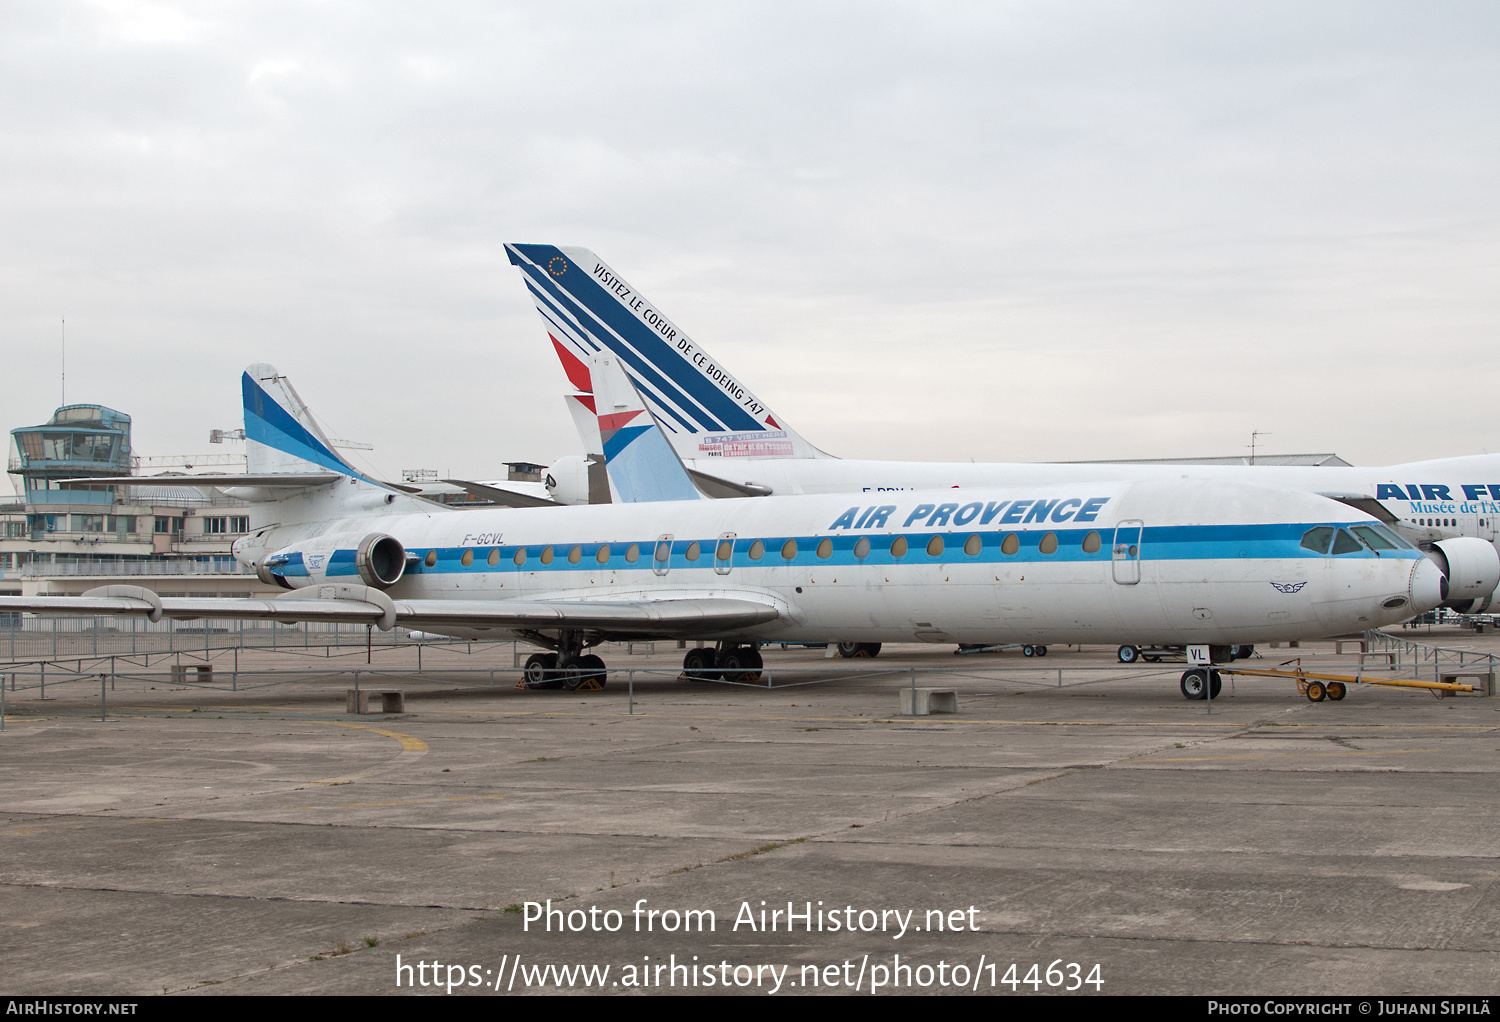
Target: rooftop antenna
[64,360]
[1253,436]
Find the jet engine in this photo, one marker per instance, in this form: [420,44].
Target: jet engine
[1473,569]
[576,479]
[379,561]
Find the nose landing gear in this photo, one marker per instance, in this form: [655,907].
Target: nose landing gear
[1199,682]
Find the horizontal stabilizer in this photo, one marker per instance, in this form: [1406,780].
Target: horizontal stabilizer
[713,486]
[274,480]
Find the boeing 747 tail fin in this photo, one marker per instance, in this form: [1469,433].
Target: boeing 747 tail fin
[703,410]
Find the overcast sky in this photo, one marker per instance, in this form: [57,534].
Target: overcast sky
[1005,231]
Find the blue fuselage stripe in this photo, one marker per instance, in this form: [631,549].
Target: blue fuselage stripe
[1165,543]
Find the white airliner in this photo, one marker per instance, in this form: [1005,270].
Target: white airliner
[733,444]
[1159,561]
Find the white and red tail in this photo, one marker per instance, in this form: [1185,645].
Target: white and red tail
[703,410]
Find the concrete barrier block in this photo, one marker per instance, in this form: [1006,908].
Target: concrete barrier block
[923,701]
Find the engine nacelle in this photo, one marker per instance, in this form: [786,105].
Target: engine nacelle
[1473,569]
[380,560]
[376,559]
[567,479]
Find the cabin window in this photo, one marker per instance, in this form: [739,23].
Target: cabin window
[724,549]
[1317,540]
[602,556]
[789,549]
[693,551]
[663,551]
[862,547]
[1048,544]
[1343,543]
[935,546]
[494,557]
[547,555]
[972,545]
[633,553]
[467,559]
[898,547]
[1092,543]
[520,556]
[575,555]
[1011,544]
[757,550]
[431,559]
[825,549]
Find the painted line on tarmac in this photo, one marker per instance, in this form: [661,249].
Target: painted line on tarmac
[1283,755]
[403,802]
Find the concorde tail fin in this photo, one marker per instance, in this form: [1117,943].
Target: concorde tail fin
[703,410]
[641,463]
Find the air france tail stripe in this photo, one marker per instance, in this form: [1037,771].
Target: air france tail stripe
[559,321]
[567,331]
[657,352]
[644,373]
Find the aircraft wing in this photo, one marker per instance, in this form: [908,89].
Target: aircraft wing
[1366,503]
[504,497]
[357,604]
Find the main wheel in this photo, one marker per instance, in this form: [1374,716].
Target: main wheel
[588,674]
[741,664]
[1128,654]
[699,664]
[1316,692]
[1041,650]
[866,649]
[1336,690]
[1028,651]
[1194,684]
[1244,652]
[540,671]
[849,649]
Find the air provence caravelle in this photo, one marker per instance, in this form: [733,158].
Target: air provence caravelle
[733,444]
[1168,562]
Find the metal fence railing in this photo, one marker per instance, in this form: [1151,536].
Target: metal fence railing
[1422,659]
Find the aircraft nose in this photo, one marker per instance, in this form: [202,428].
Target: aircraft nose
[1429,586]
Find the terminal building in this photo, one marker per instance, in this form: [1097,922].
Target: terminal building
[64,535]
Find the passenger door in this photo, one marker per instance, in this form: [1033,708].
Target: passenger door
[1126,556]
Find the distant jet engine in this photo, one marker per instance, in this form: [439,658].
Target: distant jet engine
[1473,569]
[574,478]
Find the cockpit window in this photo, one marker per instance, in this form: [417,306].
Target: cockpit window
[1376,541]
[1317,539]
[1343,543]
[1393,536]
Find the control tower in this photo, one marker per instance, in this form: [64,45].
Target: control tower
[79,441]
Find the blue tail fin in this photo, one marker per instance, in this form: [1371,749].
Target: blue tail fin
[642,466]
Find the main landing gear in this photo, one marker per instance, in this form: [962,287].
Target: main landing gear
[858,650]
[727,661]
[569,668]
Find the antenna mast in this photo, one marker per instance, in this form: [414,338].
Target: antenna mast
[64,360]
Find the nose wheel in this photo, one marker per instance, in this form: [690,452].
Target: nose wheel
[1199,682]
